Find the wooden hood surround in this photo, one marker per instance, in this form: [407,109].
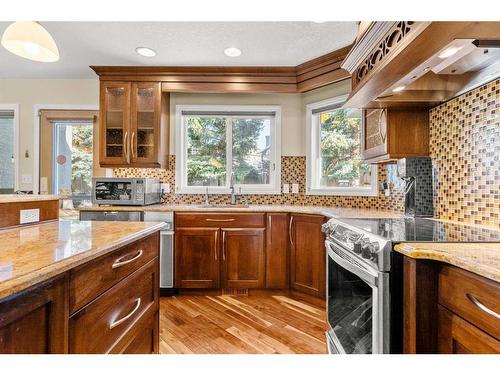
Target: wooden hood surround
[387,55]
[310,75]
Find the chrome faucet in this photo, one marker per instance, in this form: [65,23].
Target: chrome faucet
[231,187]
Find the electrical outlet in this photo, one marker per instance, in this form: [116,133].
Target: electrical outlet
[295,188]
[29,216]
[165,188]
[286,188]
[26,179]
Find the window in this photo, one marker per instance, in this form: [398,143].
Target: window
[334,164]
[220,146]
[8,148]
[72,169]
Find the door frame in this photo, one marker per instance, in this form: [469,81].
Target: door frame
[17,164]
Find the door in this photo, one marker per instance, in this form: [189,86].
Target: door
[196,258]
[307,254]
[36,321]
[243,258]
[145,123]
[277,254]
[115,123]
[458,336]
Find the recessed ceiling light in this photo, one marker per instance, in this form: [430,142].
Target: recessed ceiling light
[319,21]
[398,89]
[232,52]
[145,51]
[450,51]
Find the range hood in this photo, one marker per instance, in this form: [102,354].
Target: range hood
[421,64]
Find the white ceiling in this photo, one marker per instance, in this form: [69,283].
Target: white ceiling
[178,44]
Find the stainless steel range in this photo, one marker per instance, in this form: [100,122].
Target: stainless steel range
[364,277]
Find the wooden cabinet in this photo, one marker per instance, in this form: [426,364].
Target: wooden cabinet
[36,320]
[214,250]
[449,310]
[307,254]
[197,258]
[458,336]
[243,258]
[133,124]
[388,134]
[277,251]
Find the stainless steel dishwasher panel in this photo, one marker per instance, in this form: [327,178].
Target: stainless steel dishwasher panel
[111,215]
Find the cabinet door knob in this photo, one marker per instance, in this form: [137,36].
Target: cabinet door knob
[481,306]
[126,317]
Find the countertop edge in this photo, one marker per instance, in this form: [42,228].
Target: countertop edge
[423,251]
[21,283]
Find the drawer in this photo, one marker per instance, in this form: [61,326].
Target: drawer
[472,297]
[99,326]
[220,220]
[94,278]
[142,339]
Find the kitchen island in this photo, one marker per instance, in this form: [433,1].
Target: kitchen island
[79,287]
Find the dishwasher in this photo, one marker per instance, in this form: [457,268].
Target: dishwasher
[166,238]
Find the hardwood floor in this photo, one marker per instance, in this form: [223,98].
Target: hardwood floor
[240,324]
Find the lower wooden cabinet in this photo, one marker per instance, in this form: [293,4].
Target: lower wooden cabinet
[457,336]
[119,312]
[36,321]
[277,251]
[197,258]
[307,254]
[243,258]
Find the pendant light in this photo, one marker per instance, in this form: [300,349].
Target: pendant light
[30,40]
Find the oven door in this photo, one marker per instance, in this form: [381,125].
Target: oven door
[357,306]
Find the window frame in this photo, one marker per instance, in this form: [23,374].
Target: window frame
[313,157]
[181,187]
[15,108]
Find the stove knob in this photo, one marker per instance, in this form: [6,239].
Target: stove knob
[366,250]
[374,251]
[357,246]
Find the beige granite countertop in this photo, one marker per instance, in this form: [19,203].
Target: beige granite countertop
[35,253]
[326,211]
[480,258]
[13,198]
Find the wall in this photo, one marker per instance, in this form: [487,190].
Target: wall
[29,92]
[293,148]
[465,149]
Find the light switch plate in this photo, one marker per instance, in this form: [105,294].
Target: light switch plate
[29,216]
[165,187]
[295,188]
[286,188]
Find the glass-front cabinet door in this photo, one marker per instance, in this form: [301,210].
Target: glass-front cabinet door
[115,123]
[145,122]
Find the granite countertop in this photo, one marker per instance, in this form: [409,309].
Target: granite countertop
[14,198]
[480,258]
[326,211]
[35,253]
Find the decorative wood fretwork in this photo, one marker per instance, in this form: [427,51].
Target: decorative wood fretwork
[388,44]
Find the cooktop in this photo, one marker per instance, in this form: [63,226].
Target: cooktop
[423,230]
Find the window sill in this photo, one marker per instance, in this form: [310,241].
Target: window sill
[344,192]
[218,191]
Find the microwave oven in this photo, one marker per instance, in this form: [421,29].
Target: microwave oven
[125,191]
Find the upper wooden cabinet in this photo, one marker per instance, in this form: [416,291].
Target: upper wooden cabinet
[134,124]
[389,133]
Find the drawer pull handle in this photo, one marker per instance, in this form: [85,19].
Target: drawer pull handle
[487,310]
[119,262]
[128,316]
[220,220]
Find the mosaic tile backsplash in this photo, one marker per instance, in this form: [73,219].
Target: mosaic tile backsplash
[293,170]
[465,152]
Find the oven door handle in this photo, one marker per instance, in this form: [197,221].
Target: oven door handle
[367,276]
